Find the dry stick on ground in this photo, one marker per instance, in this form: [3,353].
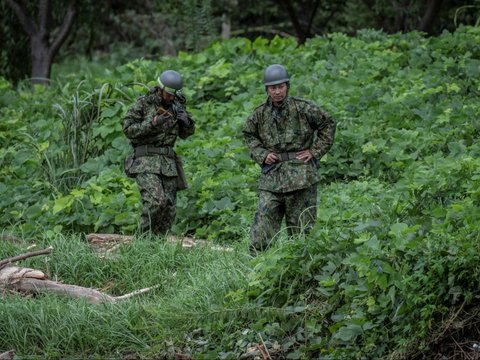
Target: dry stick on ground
[5,262]
[465,356]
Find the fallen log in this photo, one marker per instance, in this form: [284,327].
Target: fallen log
[35,282]
[92,296]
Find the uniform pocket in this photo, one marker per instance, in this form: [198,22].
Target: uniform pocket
[168,166]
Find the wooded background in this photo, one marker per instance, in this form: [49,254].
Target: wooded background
[37,33]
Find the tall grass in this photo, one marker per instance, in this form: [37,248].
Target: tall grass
[192,283]
[80,112]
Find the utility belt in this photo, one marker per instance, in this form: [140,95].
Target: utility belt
[285,156]
[147,150]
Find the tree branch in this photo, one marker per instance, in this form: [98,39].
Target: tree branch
[27,23]
[5,262]
[64,29]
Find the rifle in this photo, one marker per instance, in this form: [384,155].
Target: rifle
[162,111]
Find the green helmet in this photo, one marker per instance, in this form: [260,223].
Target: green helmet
[170,81]
[275,74]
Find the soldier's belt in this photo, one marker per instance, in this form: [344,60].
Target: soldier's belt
[146,150]
[287,156]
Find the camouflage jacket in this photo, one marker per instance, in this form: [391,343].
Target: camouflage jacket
[294,126]
[138,127]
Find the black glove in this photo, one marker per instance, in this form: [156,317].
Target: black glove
[183,119]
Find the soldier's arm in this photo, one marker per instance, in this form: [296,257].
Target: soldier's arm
[325,127]
[254,144]
[135,124]
[186,131]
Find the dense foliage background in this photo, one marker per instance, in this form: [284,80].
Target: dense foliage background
[390,269]
[116,31]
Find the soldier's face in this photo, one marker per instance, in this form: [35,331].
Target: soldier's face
[277,92]
[167,97]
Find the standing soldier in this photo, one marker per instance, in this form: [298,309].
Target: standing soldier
[152,124]
[287,137]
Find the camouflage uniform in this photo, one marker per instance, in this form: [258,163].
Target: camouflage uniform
[288,188]
[154,164]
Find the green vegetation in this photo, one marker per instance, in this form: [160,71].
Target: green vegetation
[392,260]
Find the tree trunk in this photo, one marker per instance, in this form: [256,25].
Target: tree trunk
[44,47]
[41,61]
[430,15]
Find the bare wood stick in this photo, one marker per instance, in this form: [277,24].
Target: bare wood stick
[7,261]
[136,292]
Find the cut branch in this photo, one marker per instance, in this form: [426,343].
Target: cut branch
[5,262]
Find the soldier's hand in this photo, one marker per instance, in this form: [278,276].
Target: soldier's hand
[271,158]
[182,117]
[305,155]
[157,119]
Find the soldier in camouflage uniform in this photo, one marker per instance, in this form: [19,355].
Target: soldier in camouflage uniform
[153,124]
[286,136]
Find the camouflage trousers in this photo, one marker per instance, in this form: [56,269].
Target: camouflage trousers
[159,196]
[298,207]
